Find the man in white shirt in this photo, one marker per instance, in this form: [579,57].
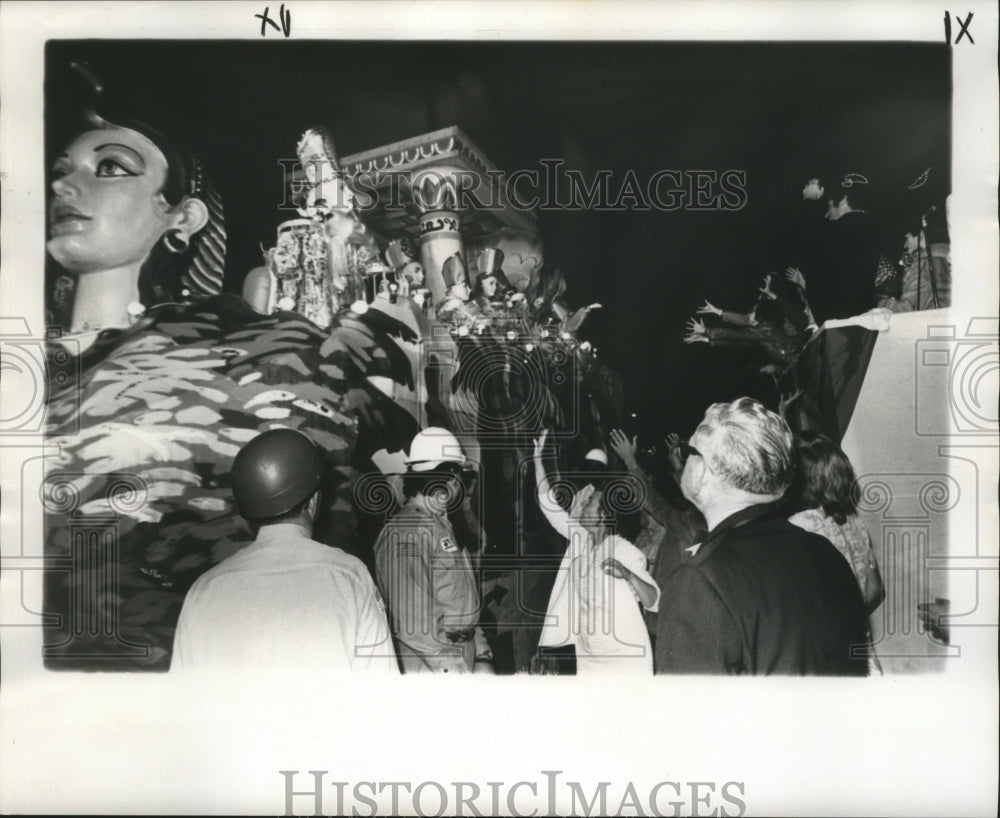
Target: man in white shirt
[284,601]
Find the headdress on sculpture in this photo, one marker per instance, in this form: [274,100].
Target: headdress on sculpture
[317,143]
[325,190]
[453,271]
[490,262]
[400,252]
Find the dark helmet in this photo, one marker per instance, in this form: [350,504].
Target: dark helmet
[275,472]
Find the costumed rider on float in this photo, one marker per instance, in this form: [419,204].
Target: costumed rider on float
[425,574]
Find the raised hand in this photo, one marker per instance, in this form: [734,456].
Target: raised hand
[696,332]
[708,309]
[615,568]
[673,441]
[540,444]
[787,400]
[794,274]
[766,289]
[624,447]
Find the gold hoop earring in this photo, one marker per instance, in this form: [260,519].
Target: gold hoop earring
[175,241]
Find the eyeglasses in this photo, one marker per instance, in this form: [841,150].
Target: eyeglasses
[686,450]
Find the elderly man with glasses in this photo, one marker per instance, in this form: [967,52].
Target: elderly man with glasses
[757,595]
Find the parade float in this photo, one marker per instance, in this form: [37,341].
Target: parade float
[376,313]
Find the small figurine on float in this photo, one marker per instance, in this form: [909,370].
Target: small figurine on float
[523,254]
[492,286]
[456,308]
[401,257]
[318,264]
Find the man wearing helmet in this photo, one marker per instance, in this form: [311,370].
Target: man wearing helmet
[426,576]
[284,601]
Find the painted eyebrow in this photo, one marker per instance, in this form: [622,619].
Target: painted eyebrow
[123,147]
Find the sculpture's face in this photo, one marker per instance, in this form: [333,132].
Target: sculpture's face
[413,272]
[489,286]
[106,211]
[459,290]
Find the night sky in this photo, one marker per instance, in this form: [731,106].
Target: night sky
[779,112]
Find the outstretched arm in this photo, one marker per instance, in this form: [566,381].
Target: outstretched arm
[558,517]
[738,318]
[653,503]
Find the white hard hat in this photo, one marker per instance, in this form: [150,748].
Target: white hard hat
[598,455]
[433,446]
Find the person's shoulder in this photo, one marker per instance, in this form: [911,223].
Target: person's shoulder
[696,580]
[775,531]
[206,579]
[338,558]
[767,524]
[412,514]
[411,531]
[782,528]
[855,528]
[810,519]
[813,546]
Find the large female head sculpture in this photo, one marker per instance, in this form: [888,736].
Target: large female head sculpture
[132,204]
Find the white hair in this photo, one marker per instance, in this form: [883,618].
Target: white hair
[748,446]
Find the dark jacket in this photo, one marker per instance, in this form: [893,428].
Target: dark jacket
[762,596]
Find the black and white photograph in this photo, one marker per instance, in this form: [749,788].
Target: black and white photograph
[347,343]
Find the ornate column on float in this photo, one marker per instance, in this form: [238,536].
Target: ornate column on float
[435,193]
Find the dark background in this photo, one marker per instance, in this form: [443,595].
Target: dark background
[779,112]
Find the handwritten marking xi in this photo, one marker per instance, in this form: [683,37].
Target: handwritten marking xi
[285,15]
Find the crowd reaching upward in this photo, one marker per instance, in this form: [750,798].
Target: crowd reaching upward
[840,266]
